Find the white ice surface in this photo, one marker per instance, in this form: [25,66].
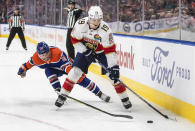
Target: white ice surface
[28,104]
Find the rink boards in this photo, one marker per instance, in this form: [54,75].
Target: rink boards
[160,70]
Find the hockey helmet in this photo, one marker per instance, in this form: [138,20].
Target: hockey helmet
[42,48]
[95,12]
[17,8]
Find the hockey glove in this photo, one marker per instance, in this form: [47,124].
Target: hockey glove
[22,72]
[89,55]
[114,72]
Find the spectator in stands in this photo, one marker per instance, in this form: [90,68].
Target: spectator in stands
[153,9]
[176,12]
[170,4]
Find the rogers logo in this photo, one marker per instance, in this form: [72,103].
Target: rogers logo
[126,59]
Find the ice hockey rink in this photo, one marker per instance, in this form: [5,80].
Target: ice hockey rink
[27,104]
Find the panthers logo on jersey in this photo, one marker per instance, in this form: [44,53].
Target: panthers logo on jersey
[91,44]
[111,40]
[97,37]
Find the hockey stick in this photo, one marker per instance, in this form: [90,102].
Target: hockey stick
[114,115]
[165,116]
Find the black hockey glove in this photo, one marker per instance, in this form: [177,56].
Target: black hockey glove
[114,72]
[89,55]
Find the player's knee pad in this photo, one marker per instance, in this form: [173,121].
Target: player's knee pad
[81,62]
[75,74]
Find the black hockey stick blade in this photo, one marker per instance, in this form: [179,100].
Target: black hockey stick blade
[125,116]
[155,109]
[114,115]
[165,116]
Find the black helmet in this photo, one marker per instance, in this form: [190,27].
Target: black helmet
[72,2]
[17,8]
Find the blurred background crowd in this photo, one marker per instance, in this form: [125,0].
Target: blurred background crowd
[42,11]
[52,12]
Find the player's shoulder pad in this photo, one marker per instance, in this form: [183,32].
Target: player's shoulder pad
[55,50]
[104,26]
[81,23]
[56,53]
[36,60]
[80,27]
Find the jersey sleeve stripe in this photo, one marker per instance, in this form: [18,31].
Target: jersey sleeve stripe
[29,65]
[75,40]
[110,49]
[68,68]
[31,62]
[70,60]
[81,79]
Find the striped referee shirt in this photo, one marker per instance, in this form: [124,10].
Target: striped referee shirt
[16,21]
[72,17]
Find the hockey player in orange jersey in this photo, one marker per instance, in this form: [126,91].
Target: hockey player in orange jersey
[56,63]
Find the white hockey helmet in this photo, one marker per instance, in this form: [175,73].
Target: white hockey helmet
[95,12]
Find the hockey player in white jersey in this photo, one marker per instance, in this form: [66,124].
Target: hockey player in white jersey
[93,41]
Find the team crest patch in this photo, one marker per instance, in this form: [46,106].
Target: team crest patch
[111,38]
[97,37]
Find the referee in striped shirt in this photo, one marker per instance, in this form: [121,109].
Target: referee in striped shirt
[16,25]
[72,17]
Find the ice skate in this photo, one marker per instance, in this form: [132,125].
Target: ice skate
[126,103]
[60,101]
[103,96]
